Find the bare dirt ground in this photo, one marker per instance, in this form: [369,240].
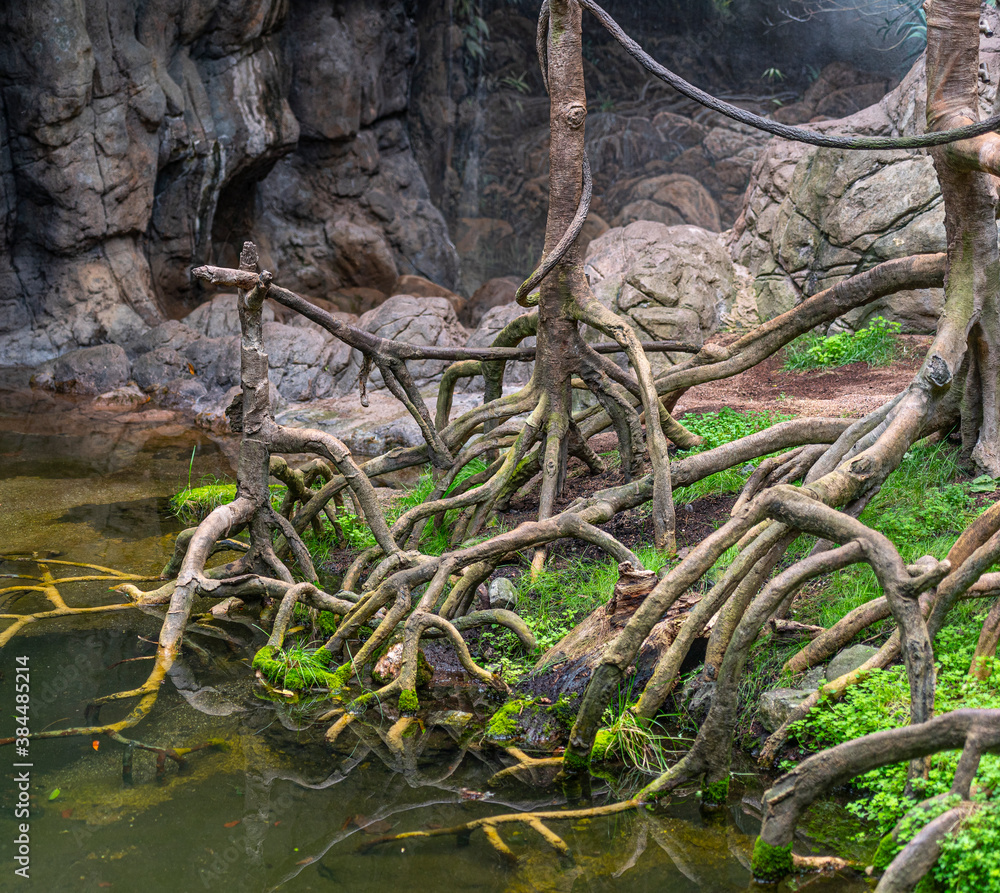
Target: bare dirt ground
[853,390]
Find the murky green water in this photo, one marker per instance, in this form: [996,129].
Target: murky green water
[275,809]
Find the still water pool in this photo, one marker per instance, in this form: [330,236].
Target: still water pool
[273,808]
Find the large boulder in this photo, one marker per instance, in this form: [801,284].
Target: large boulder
[220,317]
[304,361]
[420,287]
[494,292]
[670,282]
[671,199]
[496,319]
[425,321]
[813,217]
[89,370]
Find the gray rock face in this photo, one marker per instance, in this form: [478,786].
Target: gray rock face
[138,140]
[672,199]
[502,594]
[89,370]
[492,293]
[428,321]
[813,216]
[776,705]
[812,679]
[670,282]
[490,326]
[849,659]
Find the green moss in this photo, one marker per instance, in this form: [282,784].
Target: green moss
[886,852]
[771,863]
[503,724]
[424,670]
[408,702]
[603,742]
[361,703]
[565,708]
[340,677]
[575,765]
[715,793]
[326,622]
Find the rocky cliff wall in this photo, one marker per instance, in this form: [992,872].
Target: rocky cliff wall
[135,139]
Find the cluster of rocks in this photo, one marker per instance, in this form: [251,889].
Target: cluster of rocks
[777,704]
[195,362]
[671,282]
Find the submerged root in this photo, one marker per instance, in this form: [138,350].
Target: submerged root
[537,821]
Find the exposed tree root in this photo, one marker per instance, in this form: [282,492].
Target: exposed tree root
[48,585]
[535,820]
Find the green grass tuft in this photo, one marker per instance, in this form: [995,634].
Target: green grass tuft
[718,428]
[875,345]
[193,504]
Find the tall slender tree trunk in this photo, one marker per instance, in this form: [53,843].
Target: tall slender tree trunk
[969,328]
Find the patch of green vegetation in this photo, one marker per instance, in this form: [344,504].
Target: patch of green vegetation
[531,719]
[920,508]
[771,863]
[296,667]
[503,725]
[715,793]
[409,703]
[718,428]
[968,855]
[626,738]
[909,826]
[324,622]
[434,539]
[554,602]
[193,504]
[881,701]
[875,345]
[968,859]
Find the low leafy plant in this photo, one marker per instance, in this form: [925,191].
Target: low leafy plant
[435,539]
[881,701]
[875,345]
[968,859]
